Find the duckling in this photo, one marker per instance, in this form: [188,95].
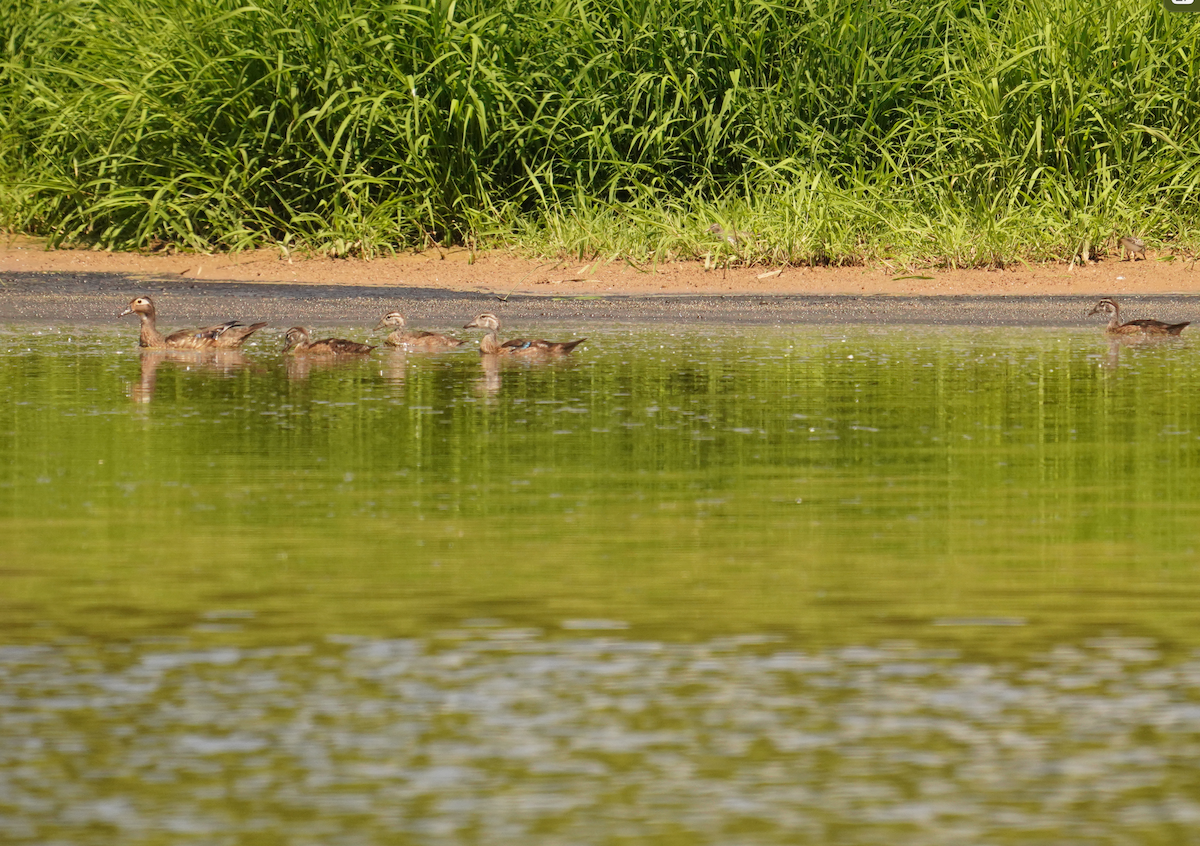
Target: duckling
[489,344]
[1133,246]
[1134,327]
[429,341]
[229,335]
[731,237]
[298,343]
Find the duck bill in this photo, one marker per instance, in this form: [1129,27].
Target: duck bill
[125,312]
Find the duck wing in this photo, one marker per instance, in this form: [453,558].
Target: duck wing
[564,347]
[524,346]
[516,345]
[1151,327]
[198,339]
[235,334]
[338,346]
[423,341]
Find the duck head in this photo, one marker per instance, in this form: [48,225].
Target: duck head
[139,306]
[392,319]
[487,320]
[294,337]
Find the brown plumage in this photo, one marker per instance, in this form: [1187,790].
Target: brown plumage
[298,343]
[1134,327]
[428,341]
[490,344]
[223,336]
[1134,247]
[732,237]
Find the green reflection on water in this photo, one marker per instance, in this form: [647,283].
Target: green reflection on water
[839,486]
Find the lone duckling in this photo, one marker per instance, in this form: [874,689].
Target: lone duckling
[490,344]
[1134,327]
[731,236]
[428,341]
[229,335]
[298,343]
[1134,247]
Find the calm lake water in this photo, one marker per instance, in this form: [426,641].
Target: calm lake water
[864,585]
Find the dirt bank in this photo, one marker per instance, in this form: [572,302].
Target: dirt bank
[452,285]
[457,271]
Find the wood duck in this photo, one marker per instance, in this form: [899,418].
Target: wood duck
[1134,327]
[1133,246]
[223,336]
[730,236]
[298,343]
[490,344]
[429,341]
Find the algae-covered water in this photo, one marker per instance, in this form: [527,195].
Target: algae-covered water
[861,585]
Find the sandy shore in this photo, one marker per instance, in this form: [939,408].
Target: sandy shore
[450,286]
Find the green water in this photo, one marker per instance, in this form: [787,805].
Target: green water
[731,586]
[839,485]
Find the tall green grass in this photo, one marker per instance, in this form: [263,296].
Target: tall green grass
[953,132]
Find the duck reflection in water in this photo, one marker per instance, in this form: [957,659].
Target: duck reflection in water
[488,385]
[217,362]
[496,368]
[1119,343]
[395,366]
[300,367]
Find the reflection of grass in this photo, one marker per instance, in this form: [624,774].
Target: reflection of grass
[836,489]
[670,578]
[954,133]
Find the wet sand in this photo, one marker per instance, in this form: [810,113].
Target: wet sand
[444,290]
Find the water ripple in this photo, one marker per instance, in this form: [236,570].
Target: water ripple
[499,735]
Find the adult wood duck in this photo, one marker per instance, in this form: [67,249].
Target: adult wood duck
[298,343]
[223,336]
[490,344]
[1134,327]
[429,341]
